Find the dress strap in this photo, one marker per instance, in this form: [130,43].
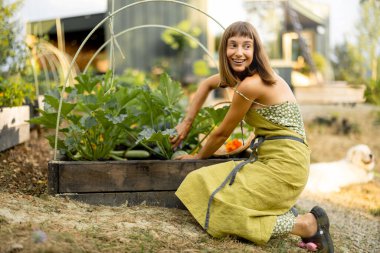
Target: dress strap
[246,98]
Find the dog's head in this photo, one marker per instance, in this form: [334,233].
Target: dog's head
[361,155]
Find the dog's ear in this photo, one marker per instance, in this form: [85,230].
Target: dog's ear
[351,153]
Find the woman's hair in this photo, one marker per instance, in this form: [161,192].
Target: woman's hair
[260,63]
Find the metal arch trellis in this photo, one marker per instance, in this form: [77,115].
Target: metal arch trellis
[112,40]
[148,26]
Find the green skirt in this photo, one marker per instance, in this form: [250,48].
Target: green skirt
[262,190]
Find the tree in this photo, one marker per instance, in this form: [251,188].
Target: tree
[369,35]
[12,47]
[348,64]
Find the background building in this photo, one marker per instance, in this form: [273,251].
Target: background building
[291,43]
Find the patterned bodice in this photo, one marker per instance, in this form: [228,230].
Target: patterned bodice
[286,114]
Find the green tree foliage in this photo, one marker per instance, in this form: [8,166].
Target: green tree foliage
[348,65]
[181,43]
[178,41]
[358,62]
[369,35]
[15,90]
[11,45]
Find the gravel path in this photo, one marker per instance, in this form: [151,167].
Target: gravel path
[354,230]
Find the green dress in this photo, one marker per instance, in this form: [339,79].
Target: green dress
[262,190]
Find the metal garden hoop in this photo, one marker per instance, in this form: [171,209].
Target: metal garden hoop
[112,40]
[148,26]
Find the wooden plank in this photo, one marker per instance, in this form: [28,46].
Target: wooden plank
[14,116]
[13,126]
[53,178]
[121,176]
[161,198]
[10,137]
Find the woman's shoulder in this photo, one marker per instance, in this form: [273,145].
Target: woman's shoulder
[251,84]
[212,81]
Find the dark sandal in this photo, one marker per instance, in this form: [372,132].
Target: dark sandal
[322,237]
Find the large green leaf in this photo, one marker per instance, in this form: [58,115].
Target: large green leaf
[86,83]
[125,95]
[217,115]
[169,91]
[54,102]
[88,121]
[48,120]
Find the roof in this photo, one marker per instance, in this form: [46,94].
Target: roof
[72,24]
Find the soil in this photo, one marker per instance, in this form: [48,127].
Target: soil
[33,221]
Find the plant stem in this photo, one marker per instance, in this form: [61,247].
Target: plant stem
[199,143]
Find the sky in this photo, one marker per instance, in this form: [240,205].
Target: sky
[343,13]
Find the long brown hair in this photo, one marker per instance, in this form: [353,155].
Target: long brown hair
[260,63]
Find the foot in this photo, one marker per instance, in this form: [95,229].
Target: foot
[322,238]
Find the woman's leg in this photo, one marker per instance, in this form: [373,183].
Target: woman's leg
[313,228]
[305,225]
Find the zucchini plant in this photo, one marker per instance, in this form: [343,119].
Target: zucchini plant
[93,116]
[102,118]
[160,112]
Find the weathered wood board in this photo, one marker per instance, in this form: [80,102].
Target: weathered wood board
[152,182]
[14,128]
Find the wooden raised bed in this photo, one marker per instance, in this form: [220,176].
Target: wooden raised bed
[152,182]
[14,128]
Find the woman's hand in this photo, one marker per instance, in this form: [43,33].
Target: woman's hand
[187,157]
[183,130]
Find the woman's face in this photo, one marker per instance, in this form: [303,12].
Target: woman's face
[239,53]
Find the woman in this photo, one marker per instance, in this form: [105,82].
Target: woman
[252,199]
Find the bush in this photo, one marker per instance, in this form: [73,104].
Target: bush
[14,91]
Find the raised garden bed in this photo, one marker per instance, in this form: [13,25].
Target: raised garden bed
[14,128]
[152,182]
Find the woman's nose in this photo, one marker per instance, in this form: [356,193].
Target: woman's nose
[239,51]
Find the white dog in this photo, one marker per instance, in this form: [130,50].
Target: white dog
[357,167]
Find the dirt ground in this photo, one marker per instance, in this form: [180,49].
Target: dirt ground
[33,221]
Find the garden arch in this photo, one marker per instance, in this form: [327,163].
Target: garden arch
[112,40]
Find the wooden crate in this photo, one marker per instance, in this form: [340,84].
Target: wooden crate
[152,182]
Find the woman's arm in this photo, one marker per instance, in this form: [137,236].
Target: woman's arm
[252,89]
[197,102]
[239,107]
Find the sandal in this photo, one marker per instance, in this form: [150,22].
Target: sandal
[322,237]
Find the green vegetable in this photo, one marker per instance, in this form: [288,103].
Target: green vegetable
[136,154]
[130,153]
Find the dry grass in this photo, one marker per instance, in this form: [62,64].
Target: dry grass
[76,227]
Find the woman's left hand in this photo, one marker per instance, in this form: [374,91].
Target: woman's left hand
[187,157]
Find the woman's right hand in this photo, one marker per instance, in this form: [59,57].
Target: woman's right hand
[183,129]
[198,100]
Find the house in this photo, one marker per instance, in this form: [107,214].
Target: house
[296,35]
[292,31]
[67,34]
